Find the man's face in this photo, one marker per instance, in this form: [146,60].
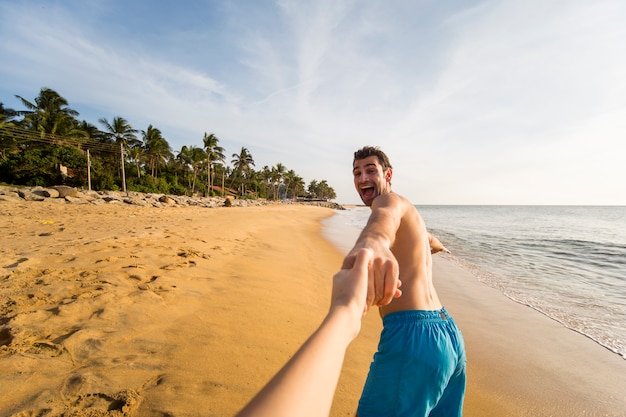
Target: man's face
[369,179]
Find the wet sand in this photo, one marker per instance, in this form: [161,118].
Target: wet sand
[522,363]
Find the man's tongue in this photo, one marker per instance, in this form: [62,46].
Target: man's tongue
[368,192]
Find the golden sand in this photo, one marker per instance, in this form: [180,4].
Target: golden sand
[125,310]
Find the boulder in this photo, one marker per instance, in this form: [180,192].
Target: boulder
[91,194]
[31,195]
[10,197]
[112,196]
[97,201]
[50,193]
[167,200]
[65,191]
[7,190]
[135,201]
[75,200]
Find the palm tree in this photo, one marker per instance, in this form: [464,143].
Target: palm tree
[183,160]
[89,130]
[6,116]
[48,114]
[8,143]
[298,187]
[241,163]
[321,190]
[120,131]
[124,135]
[192,157]
[135,154]
[224,171]
[214,153]
[265,177]
[295,182]
[156,148]
[278,176]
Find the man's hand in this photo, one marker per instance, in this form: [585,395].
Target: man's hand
[435,245]
[383,284]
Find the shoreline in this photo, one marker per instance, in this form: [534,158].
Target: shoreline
[522,362]
[462,265]
[147,311]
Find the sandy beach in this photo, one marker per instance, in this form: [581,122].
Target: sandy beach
[117,310]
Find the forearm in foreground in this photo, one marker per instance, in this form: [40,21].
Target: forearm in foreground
[305,386]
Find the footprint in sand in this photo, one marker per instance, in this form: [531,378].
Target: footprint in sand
[5,337]
[157,289]
[46,349]
[16,263]
[124,402]
[186,254]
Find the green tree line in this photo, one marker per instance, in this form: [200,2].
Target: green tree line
[46,144]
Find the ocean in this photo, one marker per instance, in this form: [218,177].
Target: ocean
[567,262]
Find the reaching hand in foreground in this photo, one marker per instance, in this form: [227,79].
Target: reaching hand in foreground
[305,386]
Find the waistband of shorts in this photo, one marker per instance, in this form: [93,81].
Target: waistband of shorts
[407,316]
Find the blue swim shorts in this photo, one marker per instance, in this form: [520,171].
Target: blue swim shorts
[419,369]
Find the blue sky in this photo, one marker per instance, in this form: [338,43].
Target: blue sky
[475,102]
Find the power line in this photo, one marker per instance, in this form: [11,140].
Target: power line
[51,139]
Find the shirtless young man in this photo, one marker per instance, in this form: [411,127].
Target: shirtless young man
[419,369]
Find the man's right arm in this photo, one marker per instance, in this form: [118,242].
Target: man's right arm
[379,235]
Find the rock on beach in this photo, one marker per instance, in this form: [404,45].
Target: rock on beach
[72,195]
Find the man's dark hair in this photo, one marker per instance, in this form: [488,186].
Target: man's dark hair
[368,151]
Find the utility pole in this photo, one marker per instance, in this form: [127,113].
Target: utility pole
[88,171]
[123,172]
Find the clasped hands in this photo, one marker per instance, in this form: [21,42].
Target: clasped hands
[366,280]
